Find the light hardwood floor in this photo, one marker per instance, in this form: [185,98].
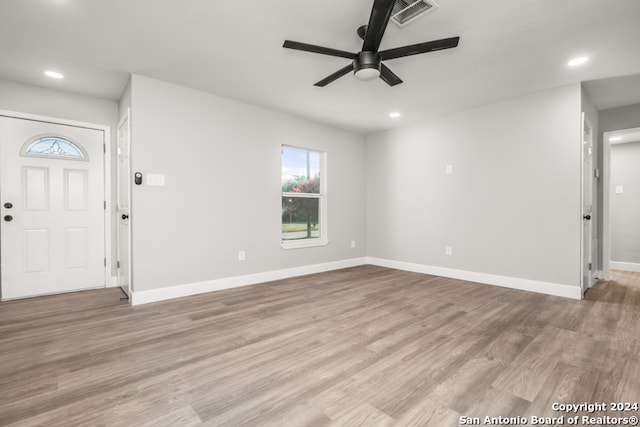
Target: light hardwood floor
[361,346]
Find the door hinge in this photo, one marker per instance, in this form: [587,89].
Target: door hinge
[105,204]
[104,148]
[105,262]
[118,264]
[590,266]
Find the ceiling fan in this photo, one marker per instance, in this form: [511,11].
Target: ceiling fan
[367,64]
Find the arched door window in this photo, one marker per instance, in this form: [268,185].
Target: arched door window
[54,147]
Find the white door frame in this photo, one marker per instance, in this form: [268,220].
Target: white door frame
[586,184]
[107,174]
[606,183]
[125,120]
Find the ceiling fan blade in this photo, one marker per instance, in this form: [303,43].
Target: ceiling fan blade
[416,49]
[389,76]
[317,49]
[335,76]
[380,14]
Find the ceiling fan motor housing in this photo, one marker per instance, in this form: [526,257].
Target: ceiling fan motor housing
[366,65]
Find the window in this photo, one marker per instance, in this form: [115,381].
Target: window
[303,198]
[53,146]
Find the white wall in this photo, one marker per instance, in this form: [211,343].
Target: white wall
[625,207]
[511,208]
[35,100]
[221,161]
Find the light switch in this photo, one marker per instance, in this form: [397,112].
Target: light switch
[449,169]
[155,179]
[619,189]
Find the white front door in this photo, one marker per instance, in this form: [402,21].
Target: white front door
[52,202]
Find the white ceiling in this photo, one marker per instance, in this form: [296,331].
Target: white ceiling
[234,49]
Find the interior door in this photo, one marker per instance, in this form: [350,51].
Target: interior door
[587,204]
[52,204]
[124,188]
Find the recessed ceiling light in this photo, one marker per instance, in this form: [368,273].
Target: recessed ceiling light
[578,61]
[394,115]
[615,138]
[54,74]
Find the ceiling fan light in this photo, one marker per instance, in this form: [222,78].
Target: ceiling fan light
[365,74]
[366,66]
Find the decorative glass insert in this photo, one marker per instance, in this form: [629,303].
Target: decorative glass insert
[54,146]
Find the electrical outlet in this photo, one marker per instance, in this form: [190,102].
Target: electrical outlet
[449,169]
[448,250]
[353,244]
[241,256]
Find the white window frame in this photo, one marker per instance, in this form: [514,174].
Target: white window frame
[323,240]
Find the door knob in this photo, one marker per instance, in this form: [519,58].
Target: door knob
[587,217]
[8,205]
[8,218]
[125,216]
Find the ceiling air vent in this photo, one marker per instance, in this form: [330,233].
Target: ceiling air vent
[405,11]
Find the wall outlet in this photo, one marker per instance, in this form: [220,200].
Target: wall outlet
[449,169]
[241,256]
[448,250]
[353,244]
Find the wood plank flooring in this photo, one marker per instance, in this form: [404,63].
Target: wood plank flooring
[623,288]
[366,346]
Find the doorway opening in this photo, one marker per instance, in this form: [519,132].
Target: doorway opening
[621,201]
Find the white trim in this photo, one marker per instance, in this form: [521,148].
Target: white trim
[625,266]
[303,243]
[588,188]
[113,283]
[124,120]
[548,288]
[606,225]
[187,289]
[107,173]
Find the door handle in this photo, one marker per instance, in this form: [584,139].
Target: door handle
[587,217]
[8,218]
[125,216]
[8,205]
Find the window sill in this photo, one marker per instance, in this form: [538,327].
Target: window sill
[297,244]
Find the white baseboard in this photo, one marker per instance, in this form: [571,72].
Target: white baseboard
[624,266]
[161,294]
[188,289]
[548,288]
